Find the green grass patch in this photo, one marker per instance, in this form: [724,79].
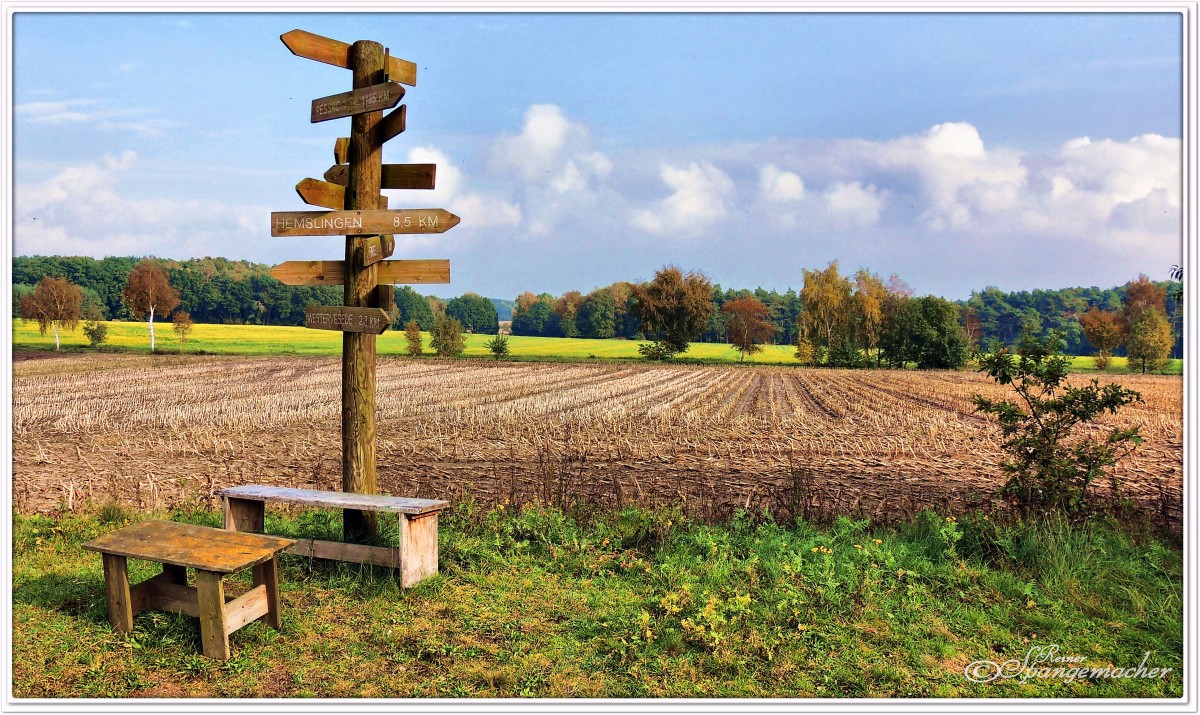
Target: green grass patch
[284,340]
[536,603]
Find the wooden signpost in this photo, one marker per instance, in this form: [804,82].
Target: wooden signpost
[361,223]
[359,212]
[351,320]
[369,99]
[392,176]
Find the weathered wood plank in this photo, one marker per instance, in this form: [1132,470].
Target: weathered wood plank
[210,596]
[392,124]
[250,606]
[347,319]
[372,250]
[357,101]
[336,500]
[333,52]
[243,514]
[172,597]
[266,575]
[116,588]
[190,546]
[394,176]
[174,574]
[300,273]
[418,548]
[365,222]
[385,556]
[341,150]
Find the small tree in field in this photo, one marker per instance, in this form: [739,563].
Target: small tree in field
[446,338]
[498,345]
[182,325]
[1150,341]
[749,325]
[673,309]
[412,336]
[149,293]
[94,327]
[55,303]
[1051,466]
[1105,330]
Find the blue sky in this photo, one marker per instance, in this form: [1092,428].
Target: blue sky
[956,150]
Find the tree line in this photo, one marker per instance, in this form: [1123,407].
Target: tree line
[835,319]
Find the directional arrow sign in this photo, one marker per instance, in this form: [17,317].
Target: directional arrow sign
[388,127]
[361,223]
[341,150]
[332,52]
[357,101]
[347,319]
[333,273]
[323,193]
[392,176]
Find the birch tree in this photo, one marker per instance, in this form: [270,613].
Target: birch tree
[148,293]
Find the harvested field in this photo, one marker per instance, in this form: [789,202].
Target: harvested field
[158,431]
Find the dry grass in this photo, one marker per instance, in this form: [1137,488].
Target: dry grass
[154,432]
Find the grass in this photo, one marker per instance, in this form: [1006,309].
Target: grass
[282,340]
[534,602]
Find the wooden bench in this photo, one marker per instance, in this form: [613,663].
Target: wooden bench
[416,555]
[213,553]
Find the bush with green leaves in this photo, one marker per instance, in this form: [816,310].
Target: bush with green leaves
[498,345]
[446,338]
[1052,464]
[658,350]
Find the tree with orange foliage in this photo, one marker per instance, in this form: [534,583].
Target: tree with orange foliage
[55,303]
[1105,330]
[749,325]
[149,293]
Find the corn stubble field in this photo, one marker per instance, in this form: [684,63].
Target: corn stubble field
[166,431]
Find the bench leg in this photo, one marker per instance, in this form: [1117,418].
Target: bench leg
[267,574]
[116,587]
[418,548]
[210,592]
[244,514]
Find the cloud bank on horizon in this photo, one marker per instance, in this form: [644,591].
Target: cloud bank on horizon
[549,209]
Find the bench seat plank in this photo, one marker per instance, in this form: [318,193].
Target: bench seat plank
[197,547]
[336,500]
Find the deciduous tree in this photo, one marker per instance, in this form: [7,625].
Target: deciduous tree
[870,300]
[55,303]
[446,338]
[1150,341]
[1141,295]
[412,336]
[1105,330]
[148,293]
[673,308]
[749,326]
[182,324]
[826,296]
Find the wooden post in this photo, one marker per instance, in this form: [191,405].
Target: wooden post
[116,585]
[210,601]
[267,574]
[358,349]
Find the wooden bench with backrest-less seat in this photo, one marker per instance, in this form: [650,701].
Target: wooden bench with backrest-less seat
[213,553]
[416,555]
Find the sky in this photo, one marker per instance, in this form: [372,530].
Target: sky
[955,150]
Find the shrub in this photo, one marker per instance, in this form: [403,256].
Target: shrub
[1051,465]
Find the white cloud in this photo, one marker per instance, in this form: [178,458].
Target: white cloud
[697,201]
[854,204]
[81,210]
[476,210]
[778,185]
[89,111]
[550,150]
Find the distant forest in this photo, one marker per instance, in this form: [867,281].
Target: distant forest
[217,290]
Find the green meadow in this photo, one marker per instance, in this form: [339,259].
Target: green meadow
[286,340]
[536,602]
